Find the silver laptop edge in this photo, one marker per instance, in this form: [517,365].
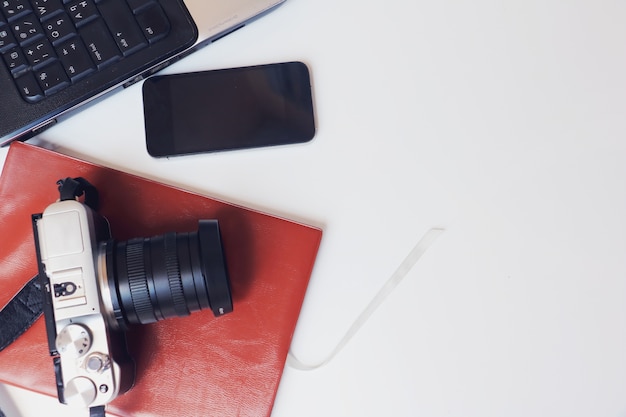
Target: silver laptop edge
[216,18]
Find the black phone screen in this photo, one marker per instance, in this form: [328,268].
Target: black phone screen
[228,109]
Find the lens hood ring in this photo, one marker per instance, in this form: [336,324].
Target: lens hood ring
[214,267]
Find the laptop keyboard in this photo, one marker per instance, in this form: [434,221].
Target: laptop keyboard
[48,45]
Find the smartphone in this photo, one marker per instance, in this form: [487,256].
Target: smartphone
[228,109]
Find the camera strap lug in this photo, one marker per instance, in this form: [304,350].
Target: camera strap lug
[72,188]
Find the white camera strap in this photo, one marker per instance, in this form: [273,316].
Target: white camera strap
[407,264]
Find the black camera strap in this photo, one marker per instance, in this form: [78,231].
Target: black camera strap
[21,312]
[97,411]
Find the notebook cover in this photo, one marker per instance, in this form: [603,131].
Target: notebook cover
[190,366]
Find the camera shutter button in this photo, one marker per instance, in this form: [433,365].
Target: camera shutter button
[97,362]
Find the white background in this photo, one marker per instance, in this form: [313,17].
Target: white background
[502,122]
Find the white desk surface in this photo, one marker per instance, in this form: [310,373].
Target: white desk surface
[502,122]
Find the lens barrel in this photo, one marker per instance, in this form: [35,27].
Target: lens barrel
[169,275]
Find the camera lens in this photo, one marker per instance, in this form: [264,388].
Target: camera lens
[169,275]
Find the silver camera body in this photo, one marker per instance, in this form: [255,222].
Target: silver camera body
[87,346]
[94,288]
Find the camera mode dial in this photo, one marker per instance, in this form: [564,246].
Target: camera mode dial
[73,341]
[80,392]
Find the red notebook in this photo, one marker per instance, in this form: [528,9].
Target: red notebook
[197,365]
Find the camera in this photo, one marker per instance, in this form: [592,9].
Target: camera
[96,287]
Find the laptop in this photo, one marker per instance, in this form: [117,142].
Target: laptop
[57,55]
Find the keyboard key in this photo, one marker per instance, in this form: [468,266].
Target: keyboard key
[59,28]
[137,5]
[75,58]
[102,49]
[14,8]
[123,26]
[16,61]
[153,22]
[52,78]
[29,88]
[7,40]
[26,28]
[39,53]
[45,9]
[82,11]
